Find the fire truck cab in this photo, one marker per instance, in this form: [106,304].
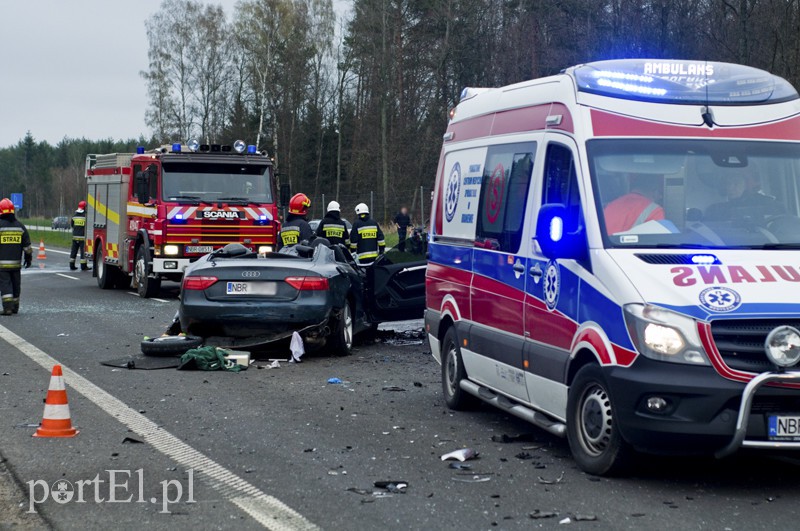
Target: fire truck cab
[150,214]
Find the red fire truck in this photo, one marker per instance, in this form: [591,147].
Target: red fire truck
[151,213]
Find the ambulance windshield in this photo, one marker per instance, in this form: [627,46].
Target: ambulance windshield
[697,193]
[230,183]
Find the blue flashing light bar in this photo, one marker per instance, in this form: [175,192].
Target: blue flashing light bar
[682,82]
[176,148]
[705,259]
[140,150]
[251,149]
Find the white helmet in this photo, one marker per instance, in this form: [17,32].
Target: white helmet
[361,208]
[333,206]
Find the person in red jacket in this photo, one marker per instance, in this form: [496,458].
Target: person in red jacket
[638,206]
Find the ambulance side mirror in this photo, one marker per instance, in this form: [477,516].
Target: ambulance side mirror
[552,233]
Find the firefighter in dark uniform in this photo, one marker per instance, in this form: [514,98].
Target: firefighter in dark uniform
[366,237]
[14,240]
[78,224]
[296,229]
[332,227]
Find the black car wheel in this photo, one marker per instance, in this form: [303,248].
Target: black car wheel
[170,345]
[341,338]
[593,435]
[453,372]
[146,286]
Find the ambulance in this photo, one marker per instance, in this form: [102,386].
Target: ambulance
[614,256]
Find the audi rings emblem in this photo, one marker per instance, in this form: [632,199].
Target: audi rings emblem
[251,274]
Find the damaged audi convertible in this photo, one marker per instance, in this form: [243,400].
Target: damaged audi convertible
[234,297]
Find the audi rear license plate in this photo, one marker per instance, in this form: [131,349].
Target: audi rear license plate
[204,249]
[251,288]
[784,428]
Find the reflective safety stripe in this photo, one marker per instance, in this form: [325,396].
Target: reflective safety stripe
[367,255]
[382,243]
[12,229]
[10,264]
[8,298]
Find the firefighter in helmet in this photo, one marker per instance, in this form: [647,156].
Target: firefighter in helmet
[14,241]
[296,228]
[332,227]
[78,224]
[366,237]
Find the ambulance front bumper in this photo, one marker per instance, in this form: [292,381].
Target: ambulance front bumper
[704,413]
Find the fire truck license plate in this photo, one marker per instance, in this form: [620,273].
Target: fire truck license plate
[252,288]
[784,427]
[199,249]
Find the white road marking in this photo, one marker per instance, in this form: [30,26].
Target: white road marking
[67,276]
[160,300]
[266,510]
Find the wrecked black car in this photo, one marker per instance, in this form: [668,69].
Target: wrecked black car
[234,297]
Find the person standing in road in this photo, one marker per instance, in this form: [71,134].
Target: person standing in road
[14,241]
[332,227]
[296,228]
[366,237]
[78,224]
[402,221]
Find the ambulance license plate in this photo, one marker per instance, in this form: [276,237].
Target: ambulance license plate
[204,249]
[251,288]
[784,428]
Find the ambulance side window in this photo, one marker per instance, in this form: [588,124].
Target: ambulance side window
[504,193]
[561,184]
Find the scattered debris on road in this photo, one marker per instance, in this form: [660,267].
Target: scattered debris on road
[464,454]
[537,514]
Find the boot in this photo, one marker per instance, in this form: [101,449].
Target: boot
[15,307]
[8,308]
[72,266]
[84,267]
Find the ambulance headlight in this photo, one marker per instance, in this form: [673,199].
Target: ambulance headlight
[171,250]
[664,335]
[783,346]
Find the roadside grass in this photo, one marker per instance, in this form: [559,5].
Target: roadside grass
[51,238]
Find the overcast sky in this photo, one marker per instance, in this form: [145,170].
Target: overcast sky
[71,68]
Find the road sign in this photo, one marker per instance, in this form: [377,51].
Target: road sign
[17,200]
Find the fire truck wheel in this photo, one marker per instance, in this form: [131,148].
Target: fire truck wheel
[146,286]
[104,272]
[170,345]
[453,372]
[593,435]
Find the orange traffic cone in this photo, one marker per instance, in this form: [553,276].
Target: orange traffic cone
[56,421]
[42,255]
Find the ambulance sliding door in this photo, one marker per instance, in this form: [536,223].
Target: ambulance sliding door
[497,294]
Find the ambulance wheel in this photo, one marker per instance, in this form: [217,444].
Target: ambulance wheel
[341,338]
[453,372]
[105,275]
[146,286]
[593,435]
[170,345]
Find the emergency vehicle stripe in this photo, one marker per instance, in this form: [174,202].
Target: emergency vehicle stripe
[532,118]
[610,124]
[137,210]
[175,210]
[103,210]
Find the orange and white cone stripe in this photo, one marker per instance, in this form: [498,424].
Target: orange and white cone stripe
[56,421]
[42,254]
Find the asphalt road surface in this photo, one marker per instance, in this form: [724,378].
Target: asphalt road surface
[282,448]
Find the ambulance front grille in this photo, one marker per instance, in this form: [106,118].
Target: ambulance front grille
[741,341]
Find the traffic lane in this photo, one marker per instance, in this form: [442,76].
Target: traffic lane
[262,422]
[103,445]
